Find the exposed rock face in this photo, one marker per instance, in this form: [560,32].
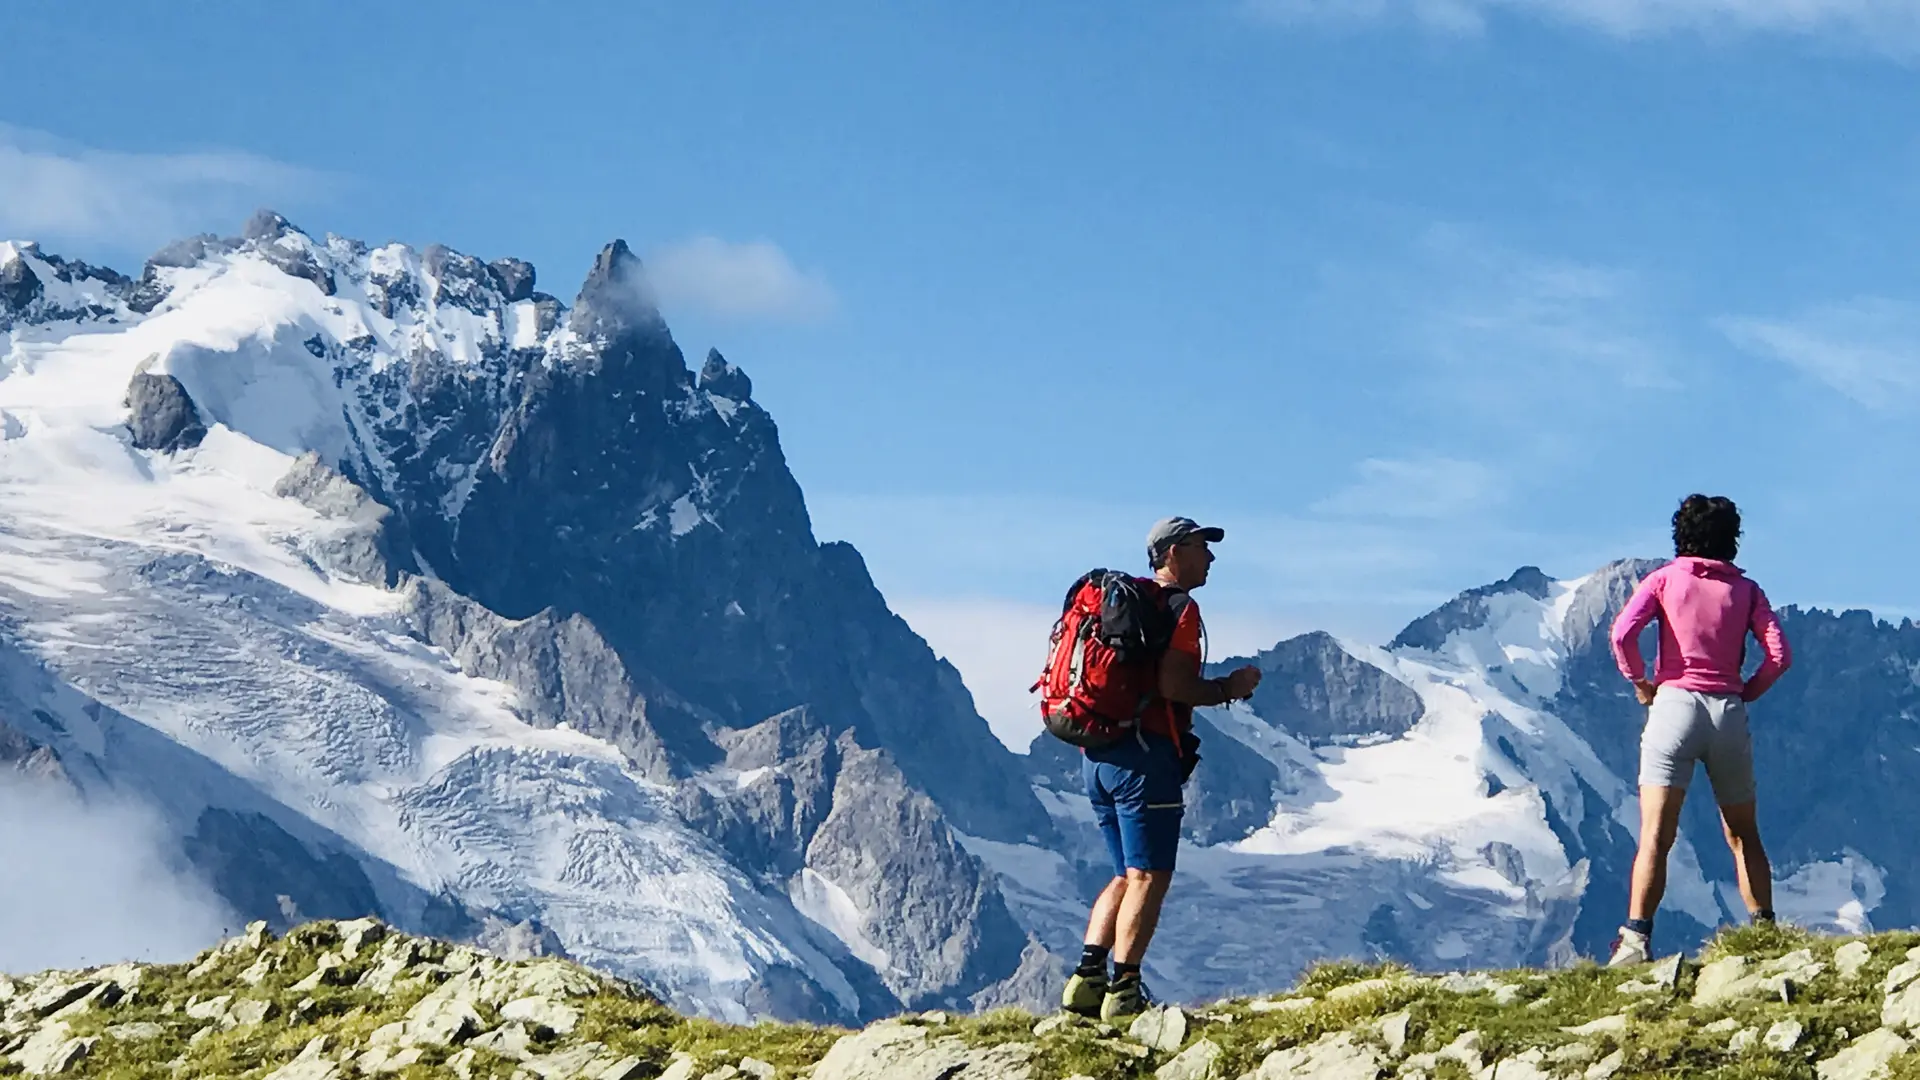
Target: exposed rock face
[1317,691]
[361,544]
[24,756]
[932,912]
[162,416]
[263,870]
[19,285]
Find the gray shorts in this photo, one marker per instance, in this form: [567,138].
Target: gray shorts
[1685,726]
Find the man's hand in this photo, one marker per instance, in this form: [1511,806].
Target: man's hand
[1242,683]
[1644,690]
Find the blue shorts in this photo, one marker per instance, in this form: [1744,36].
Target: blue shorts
[1137,800]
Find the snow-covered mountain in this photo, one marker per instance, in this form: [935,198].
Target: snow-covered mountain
[399,586]
[395,586]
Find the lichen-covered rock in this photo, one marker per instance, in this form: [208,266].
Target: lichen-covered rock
[1606,1067]
[1196,1062]
[1605,1025]
[1161,1028]
[1464,1049]
[564,1064]
[1333,1057]
[443,1018]
[1735,978]
[508,1040]
[356,934]
[1393,1032]
[1783,1036]
[541,1013]
[889,1051]
[1662,976]
[213,1008]
[51,997]
[1527,1065]
[52,1050]
[1848,959]
[311,1064]
[1866,1058]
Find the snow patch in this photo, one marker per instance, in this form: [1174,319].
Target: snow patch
[829,906]
[684,517]
[1836,894]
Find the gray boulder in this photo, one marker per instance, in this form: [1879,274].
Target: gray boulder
[163,416]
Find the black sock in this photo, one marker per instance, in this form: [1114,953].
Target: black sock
[1123,972]
[1641,926]
[1093,960]
[1764,915]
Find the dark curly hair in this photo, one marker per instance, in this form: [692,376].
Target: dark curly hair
[1707,527]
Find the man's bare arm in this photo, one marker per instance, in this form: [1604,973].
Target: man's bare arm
[1180,681]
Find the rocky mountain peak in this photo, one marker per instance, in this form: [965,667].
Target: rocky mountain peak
[1469,610]
[1598,598]
[266,226]
[19,285]
[616,301]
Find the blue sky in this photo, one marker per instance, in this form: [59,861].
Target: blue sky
[1404,294]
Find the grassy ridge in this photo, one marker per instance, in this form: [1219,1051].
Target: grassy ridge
[171,1022]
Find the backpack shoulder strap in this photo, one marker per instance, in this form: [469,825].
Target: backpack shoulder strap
[1175,601]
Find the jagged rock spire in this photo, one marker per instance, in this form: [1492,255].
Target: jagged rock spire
[616,298]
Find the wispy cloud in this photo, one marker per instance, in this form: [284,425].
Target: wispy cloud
[1418,488]
[1867,349]
[1512,334]
[58,191]
[1883,25]
[751,280]
[90,883]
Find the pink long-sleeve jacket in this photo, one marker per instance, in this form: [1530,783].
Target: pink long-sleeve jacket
[1705,608]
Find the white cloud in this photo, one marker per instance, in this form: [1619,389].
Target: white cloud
[87,883]
[1884,25]
[1420,488]
[1867,349]
[752,280]
[55,191]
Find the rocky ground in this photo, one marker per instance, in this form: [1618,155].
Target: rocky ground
[337,1000]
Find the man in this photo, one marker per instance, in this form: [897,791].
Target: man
[1135,785]
[1697,705]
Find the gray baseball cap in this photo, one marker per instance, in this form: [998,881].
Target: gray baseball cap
[1171,531]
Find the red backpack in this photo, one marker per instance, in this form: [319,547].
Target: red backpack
[1103,666]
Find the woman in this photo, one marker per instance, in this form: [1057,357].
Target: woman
[1697,705]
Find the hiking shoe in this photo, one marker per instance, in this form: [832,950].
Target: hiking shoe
[1125,1000]
[1084,994]
[1631,947]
